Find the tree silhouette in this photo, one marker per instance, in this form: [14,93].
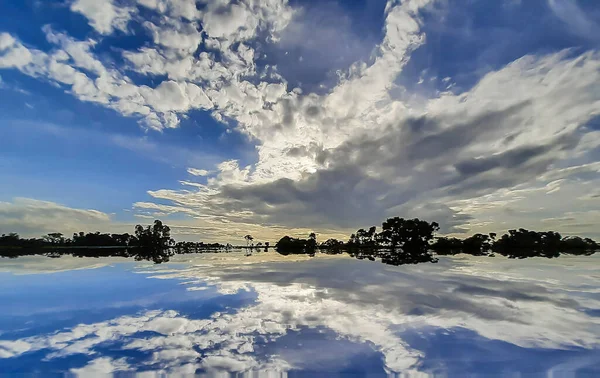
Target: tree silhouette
[332,246]
[311,243]
[478,244]
[249,239]
[54,238]
[154,242]
[401,241]
[447,246]
[288,245]
[413,234]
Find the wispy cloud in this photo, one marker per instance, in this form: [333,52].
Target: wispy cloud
[31,217]
[576,19]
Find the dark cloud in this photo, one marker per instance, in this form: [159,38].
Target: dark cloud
[406,170]
[325,197]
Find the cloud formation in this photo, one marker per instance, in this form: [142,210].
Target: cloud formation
[358,146]
[103,15]
[463,146]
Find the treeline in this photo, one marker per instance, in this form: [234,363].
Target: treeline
[399,241]
[91,239]
[519,243]
[404,241]
[152,242]
[200,247]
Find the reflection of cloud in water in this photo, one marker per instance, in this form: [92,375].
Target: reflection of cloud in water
[44,265]
[530,303]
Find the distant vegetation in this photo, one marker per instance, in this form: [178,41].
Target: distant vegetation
[152,242]
[400,241]
[412,241]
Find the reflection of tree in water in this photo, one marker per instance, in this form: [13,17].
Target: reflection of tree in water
[397,256]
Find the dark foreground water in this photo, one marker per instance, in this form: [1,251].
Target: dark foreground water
[273,316]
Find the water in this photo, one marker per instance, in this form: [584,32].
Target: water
[269,315]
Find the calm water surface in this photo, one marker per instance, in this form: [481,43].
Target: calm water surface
[269,315]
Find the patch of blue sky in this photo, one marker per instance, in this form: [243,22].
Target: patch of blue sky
[330,37]
[469,39]
[55,144]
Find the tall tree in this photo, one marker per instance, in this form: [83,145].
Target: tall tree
[249,239]
[154,242]
[407,233]
[54,238]
[311,243]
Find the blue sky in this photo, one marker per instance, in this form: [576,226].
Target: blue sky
[270,117]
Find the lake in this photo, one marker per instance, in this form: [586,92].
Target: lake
[269,315]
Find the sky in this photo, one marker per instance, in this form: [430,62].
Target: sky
[275,117]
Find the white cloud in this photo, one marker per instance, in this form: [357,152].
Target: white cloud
[6,41]
[176,42]
[575,18]
[197,172]
[101,367]
[233,22]
[223,22]
[103,15]
[110,88]
[175,8]
[12,53]
[178,36]
[300,135]
[470,145]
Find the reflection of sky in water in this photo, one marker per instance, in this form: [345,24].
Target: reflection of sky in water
[266,315]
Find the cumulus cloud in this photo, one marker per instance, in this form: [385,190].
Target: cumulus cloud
[358,152]
[101,367]
[103,15]
[466,145]
[197,82]
[174,8]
